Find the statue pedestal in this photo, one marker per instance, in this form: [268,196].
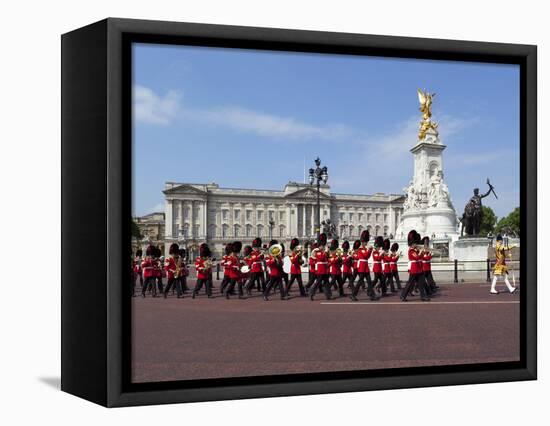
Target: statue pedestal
[436,221]
[470,249]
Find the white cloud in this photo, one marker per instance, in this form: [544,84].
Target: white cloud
[151,108]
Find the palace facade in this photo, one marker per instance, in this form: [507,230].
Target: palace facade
[196,213]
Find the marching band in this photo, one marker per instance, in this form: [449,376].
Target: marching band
[330,266]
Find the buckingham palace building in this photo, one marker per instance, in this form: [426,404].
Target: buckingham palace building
[197,213]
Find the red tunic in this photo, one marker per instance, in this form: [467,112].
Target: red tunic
[347,261]
[223,264]
[170,267]
[363,255]
[415,265]
[393,263]
[427,262]
[202,272]
[311,263]
[256,262]
[335,264]
[377,261]
[234,267]
[148,267]
[137,265]
[321,262]
[387,263]
[295,264]
[157,271]
[274,264]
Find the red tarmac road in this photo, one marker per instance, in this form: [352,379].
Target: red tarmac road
[181,339]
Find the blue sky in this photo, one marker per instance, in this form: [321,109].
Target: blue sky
[249,119]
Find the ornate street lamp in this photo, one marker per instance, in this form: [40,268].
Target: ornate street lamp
[271,225]
[318,175]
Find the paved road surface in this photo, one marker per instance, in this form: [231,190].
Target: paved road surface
[180,339]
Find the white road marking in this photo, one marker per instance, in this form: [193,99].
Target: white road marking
[422,303]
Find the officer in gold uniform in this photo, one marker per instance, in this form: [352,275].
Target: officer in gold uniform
[501,269]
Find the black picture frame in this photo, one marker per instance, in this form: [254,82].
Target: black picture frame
[96,191]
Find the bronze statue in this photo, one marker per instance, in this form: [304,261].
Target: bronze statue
[473,212]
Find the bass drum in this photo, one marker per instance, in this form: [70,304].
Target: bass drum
[245,269]
[286,265]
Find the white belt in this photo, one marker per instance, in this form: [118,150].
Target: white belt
[377,261]
[392,263]
[427,261]
[322,263]
[256,263]
[362,260]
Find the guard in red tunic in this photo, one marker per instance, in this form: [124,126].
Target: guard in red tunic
[355,256]
[311,265]
[347,265]
[184,270]
[386,266]
[226,270]
[393,265]
[274,263]
[363,254]
[234,264]
[431,287]
[321,269]
[203,266]
[335,267]
[256,259]
[415,268]
[379,282]
[148,267]
[138,272]
[172,266]
[296,261]
[158,270]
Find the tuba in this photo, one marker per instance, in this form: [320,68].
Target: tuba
[339,252]
[275,250]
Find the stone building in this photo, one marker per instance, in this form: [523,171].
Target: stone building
[151,227]
[197,213]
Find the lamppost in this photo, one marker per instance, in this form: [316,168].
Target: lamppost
[318,175]
[271,225]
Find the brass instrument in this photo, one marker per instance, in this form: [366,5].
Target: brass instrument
[177,273]
[275,250]
[339,252]
[207,264]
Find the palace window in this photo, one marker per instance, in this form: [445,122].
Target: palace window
[225,228]
[260,231]
[351,217]
[249,215]
[237,215]
[236,230]
[225,214]
[186,213]
[385,218]
[281,216]
[360,217]
[342,216]
[271,214]
[248,230]
[260,215]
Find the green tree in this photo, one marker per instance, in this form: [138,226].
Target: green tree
[488,222]
[509,223]
[135,231]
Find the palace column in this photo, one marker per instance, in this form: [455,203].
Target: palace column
[168,224]
[205,219]
[180,217]
[304,219]
[313,219]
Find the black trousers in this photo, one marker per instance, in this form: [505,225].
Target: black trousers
[395,276]
[380,280]
[430,282]
[349,277]
[354,277]
[364,276]
[256,278]
[415,280]
[388,276]
[337,281]
[274,282]
[223,284]
[159,284]
[174,282]
[231,286]
[149,283]
[297,278]
[323,282]
[311,279]
[198,286]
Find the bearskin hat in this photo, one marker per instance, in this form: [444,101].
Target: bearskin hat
[204,250]
[150,250]
[499,237]
[139,253]
[418,238]
[257,242]
[356,244]
[379,241]
[345,245]
[365,236]
[182,252]
[158,253]
[322,239]
[314,245]
[386,244]
[174,248]
[282,249]
[272,242]
[228,249]
[412,237]
[294,243]
[394,247]
[237,246]
[247,250]
[426,240]
[333,245]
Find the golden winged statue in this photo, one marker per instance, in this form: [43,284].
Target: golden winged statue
[425,98]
